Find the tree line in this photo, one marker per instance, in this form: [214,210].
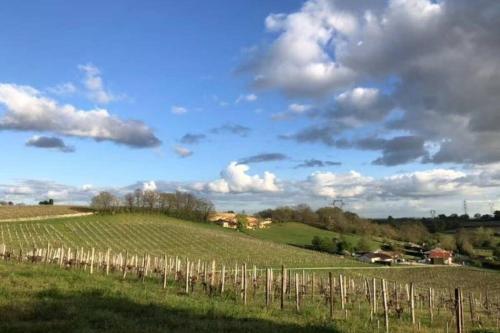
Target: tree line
[429,232]
[179,204]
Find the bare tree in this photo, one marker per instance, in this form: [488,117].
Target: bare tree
[104,201]
[129,201]
[150,199]
[138,195]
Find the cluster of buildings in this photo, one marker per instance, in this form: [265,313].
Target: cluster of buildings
[230,220]
[436,256]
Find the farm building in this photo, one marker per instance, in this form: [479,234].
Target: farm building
[380,257]
[225,220]
[256,223]
[230,220]
[439,256]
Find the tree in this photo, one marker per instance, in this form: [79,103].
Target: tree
[138,195]
[104,201]
[364,245]
[150,199]
[49,202]
[241,221]
[447,242]
[129,201]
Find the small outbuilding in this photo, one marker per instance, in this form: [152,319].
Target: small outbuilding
[380,257]
[439,256]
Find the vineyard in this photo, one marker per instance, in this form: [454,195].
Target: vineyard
[344,300]
[157,234]
[225,279]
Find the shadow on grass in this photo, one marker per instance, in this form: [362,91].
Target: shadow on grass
[56,311]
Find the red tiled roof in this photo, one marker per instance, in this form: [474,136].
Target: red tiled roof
[439,253]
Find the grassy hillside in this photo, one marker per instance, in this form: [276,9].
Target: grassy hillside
[20,212]
[38,298]
[298,234]
[158,234]
[46,298]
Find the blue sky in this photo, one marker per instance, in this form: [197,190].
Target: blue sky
[305,80]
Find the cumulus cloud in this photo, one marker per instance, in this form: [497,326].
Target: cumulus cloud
[314,163]
[235,129]
[178,110]
[182,152]
[395,151]
[264,157]
[94,85]
[67,88]
[51,142]
[32,191]
[192,138]
[417,185]
[246,98]
[333,185]
[428,183]
[235,179]
[27,109]
[149,186]
[439,70]
[402,194]
[294,110]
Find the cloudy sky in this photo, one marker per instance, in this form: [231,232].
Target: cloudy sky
[392,106]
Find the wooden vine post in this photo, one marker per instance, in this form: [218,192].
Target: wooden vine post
[108,253]
[283,286]
[412,303]
[297,293]
[165,268]
[267,287]
[342,296]
[92,262]
[330,283]
[458,310]
[245,283]
[431,314]
[386,310]
[125,265]
[222,279]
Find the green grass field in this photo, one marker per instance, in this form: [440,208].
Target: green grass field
[46,298]
[37,298]
[298,234]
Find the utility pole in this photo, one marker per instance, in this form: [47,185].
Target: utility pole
[338,203]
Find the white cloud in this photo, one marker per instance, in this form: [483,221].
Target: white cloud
[404,194]
[294,110]
[178,110]
[94,84]
[298,108]
[67,88]
[434,182]
[87,187]
[28,110]
[149,186]
[437,69]
[235,179]
[334,185]
[183,151]
[299,61]
[246,98]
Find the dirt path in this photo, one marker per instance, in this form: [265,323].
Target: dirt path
[40,218]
